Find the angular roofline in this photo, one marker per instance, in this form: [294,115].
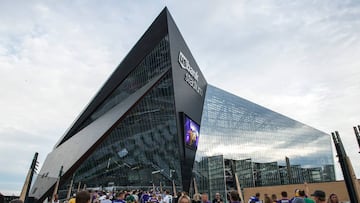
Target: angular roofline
[152,36]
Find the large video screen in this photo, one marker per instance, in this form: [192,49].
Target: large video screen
[192,132]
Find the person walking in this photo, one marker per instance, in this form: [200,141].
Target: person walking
[267,199]
[300,197]
[167,197]
[82,197]
[319,196]
[205,198]
[106,200]
[196,198]
[184,199]
[333,198]
[284,198]
[234,197]
[274,198]
[217,198]
[255,199]
[120,198]
[153,199]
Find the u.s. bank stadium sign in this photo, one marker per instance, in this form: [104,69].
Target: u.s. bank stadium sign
[191,75]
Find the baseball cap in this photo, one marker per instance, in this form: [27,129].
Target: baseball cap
[319,193]
[297,192]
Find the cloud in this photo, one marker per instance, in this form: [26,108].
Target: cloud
[297,58]
[18,151]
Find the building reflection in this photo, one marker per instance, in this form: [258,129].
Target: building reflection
[241,138]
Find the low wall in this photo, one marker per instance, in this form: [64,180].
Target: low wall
[337,187]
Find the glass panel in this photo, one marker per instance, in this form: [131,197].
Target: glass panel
[258,140]
[155,63]
[143,149]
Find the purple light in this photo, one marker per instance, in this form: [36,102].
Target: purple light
[192,132]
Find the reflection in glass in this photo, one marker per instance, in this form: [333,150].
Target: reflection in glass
[252,142]
[143,149]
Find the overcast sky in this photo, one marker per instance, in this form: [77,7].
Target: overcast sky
[298,58]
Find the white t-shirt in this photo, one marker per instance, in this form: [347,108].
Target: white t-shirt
[167,199]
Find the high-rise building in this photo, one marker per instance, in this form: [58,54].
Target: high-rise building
[143,128]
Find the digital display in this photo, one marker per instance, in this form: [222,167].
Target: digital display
[192,132]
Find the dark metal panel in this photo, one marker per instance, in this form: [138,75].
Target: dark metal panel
[190,89]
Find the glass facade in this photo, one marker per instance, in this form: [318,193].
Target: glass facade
[151,66]
[210,174]
[142,131]
[143,149]
[131,155]
[237,138]
[253,142]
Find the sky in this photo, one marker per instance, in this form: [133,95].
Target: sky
[299,58]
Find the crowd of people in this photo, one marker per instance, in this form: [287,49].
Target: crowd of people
[300,196]
[139,196]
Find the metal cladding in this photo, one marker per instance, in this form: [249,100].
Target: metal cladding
[133,132]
